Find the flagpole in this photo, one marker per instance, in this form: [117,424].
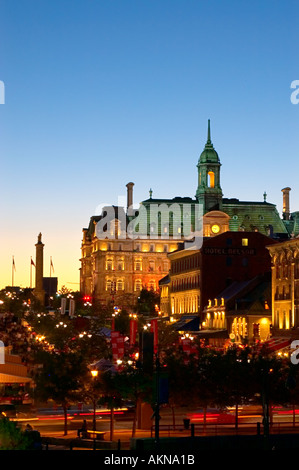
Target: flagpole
[30,272]
[12,273]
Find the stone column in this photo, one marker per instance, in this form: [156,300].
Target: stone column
[39,270]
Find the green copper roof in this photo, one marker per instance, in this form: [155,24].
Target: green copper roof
[209,154]
[253,216]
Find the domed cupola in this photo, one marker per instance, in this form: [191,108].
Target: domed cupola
[209,192]
[209,154]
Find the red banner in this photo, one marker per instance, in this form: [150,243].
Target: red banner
[188,346]
[133,331]
[118,345]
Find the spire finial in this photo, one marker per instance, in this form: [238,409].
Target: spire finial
[209,132]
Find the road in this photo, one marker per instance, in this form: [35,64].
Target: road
[53,423]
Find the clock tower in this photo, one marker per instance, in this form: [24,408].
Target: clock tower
[209,192]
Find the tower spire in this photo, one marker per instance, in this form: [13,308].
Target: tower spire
[209,132]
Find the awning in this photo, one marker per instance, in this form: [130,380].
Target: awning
[187,323]
[275,344]
[217,333]
[16,379]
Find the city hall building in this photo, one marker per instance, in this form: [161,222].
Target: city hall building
[134,249]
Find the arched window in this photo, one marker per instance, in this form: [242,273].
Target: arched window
[138,264]
[211,179]
[109,264]
[120,264]
[120,284]
[151,285]
[138,285]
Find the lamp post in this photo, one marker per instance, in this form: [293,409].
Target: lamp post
[94,374]
[157,407]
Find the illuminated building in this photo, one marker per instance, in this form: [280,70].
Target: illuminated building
[242,313]
[199,276]
[115,266]
[285,286]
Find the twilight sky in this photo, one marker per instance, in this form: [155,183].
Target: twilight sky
[102,92]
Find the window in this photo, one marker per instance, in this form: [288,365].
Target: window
[121,264]
[244,241]
[138,264]
[245,262]
[151,265]
[152,285]
[229,261]
[165,248]
[138,285]
[109,264]
[211,179]
[120,284]
[110,286]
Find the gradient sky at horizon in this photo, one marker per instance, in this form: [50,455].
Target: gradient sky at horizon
[102,92]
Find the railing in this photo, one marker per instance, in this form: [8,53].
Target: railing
[169,430]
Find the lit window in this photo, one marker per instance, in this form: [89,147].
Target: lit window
[109,264]
[120,284]
[211,179]
[244,241]
[138,264]
[152,285]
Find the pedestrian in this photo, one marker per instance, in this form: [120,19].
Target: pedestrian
[83,429]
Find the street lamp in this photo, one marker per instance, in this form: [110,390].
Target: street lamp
[94,374]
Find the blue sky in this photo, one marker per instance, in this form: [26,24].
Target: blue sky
[102,92]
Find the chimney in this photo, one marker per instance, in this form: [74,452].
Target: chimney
[286,203]
[129,195]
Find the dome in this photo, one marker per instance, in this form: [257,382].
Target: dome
[209,154]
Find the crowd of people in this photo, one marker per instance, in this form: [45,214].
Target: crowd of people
[15,335]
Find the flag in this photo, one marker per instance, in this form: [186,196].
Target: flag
[32,262]
[63,305]
[51,266]
[133,331]
[72,308]
[13,263]
[118,345]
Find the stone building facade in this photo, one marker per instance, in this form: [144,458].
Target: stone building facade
[116,265]
[285,286]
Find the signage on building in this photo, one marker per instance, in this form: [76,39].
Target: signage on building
[229,251]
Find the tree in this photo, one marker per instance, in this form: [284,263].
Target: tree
[60,378]
[234,379]
[111,396]
[147,303]
[134,385]
[270,378]
[11,437]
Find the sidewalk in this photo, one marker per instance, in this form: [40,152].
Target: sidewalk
[121,439]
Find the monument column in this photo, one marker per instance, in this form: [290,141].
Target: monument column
[39,270]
